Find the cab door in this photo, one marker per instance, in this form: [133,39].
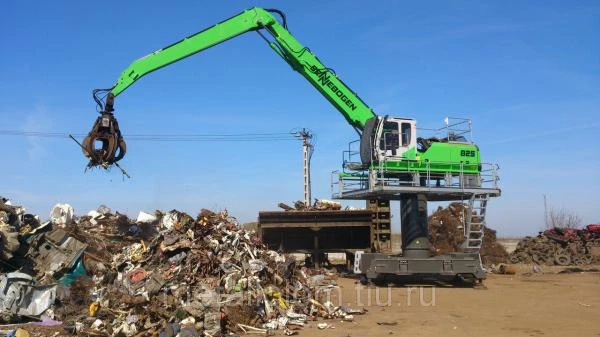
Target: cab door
[395,137]
[388,134]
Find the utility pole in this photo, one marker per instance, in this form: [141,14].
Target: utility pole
[307,151]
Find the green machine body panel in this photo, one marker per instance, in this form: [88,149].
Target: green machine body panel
[439,158]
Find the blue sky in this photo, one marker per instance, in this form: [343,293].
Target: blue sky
[527,73]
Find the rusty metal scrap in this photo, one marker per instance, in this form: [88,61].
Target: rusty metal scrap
[446,234]
[318,205]
[14,224]
[55,253]
[560,246]
[172,272]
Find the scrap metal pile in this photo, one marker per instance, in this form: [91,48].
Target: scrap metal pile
[162,274]
[446,234]
[318,205]
[560,246]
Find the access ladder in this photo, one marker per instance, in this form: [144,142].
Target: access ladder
[475,223]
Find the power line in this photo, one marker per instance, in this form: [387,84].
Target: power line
[226,137]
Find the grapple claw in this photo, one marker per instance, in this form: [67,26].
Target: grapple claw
[104,144]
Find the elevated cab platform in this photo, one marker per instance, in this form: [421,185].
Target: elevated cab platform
[453,171]
[386,185]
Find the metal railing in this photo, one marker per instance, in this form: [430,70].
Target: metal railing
[428,176]
[351,156]
[453,129]
[434,175]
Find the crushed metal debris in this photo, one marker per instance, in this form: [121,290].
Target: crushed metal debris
[317,205]
[163,274]
[446,234]
[560,246]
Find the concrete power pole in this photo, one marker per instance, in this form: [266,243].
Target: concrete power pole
[307,151]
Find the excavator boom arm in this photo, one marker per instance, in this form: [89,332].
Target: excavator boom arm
[300,58]
[246,21]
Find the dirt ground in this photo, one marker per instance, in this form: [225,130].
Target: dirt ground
[525,304]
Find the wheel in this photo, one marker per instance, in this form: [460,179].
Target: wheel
[562,259]
[466,279]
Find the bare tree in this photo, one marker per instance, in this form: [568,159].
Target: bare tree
[563,218]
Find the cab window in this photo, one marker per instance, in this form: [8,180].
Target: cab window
[406,134]
[389,139]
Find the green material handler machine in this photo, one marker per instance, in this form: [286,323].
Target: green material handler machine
[388,145]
